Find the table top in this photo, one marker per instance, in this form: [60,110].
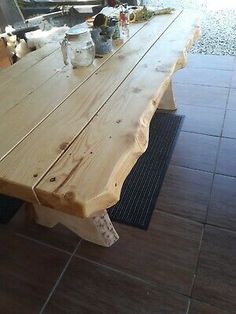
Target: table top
[69,137]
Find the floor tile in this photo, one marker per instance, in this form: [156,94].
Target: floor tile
[196,151]
[58,236]
[197,307]
[165,254]
[216,277]
[28,271]
[222,208]
[219,78]
[200,95]
[210,61]
[232,99]
[185,192]
[88,288]
[226,163]
[233,83]
[230,124]
[202,120]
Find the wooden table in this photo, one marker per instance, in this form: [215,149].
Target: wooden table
[70,137]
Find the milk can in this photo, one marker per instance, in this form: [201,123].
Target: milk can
[78,47]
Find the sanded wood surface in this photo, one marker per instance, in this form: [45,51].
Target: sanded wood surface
[104,123]
[27,62]
[86,180]
[40,152]
[27,113]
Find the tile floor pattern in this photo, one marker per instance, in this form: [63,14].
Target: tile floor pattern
[185,263]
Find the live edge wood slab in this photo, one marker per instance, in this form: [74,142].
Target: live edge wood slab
[69,137]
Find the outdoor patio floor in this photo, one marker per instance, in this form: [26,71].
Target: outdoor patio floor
[184,263]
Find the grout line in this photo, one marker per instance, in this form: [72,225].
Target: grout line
[179,216]
[227,100]
[206,85]
[188,307]
[201,170]
[187,84]
[217,157]
[198,260]
[200,106]
[227,229]
[131,276]
[201,133]
[189,168]
[195,220]
[42,243]
[59,279]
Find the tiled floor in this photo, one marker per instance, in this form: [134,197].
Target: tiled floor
[185,263]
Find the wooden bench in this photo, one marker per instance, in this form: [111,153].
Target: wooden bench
[70,137]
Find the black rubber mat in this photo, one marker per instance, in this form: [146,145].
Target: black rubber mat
[142,186]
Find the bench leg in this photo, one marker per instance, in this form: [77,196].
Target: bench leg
[168,101]
[97,229]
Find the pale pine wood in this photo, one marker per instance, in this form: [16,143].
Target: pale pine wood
[27,62]
[30,80]
[98,229]
[34,108]
[89,176]
[168,101]
[64,124]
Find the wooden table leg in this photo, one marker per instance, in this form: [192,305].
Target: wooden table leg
[168,101]
[97,229]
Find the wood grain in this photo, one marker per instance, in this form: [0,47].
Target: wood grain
[89,176]
[50,139]
[23,117]
[26,63]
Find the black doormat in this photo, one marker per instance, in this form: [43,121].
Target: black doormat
[142,186]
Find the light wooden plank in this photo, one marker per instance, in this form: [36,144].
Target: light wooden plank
[28,113]
[50,139]
[89,176]
[30,80]
[26,63]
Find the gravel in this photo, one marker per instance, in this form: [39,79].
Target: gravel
[218,24]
